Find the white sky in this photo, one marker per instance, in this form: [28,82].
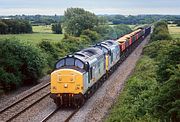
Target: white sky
[125,7]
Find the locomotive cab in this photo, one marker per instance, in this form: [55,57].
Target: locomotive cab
[67,82]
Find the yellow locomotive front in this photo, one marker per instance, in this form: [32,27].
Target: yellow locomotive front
[67,86]
[66,81]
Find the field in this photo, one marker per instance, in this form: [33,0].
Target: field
[39,33]
[174,31]
[42,29]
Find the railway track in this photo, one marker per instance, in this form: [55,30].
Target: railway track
[15,109]
[49,115]
[74,112]
[53,112]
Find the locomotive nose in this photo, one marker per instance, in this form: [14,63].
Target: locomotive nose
[66,81]
[66,87]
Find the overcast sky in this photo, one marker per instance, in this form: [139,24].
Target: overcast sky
[124,7]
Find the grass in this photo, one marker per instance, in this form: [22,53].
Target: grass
[42,29]
[39,33]
[174,31]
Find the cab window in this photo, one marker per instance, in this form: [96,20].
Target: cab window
[60,64]
[79,64]
[69,61]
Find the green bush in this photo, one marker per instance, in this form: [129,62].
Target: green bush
[51,51]
[121,30]
[132,103]
[20,63]
[106,32]
[165,105]
[72,44]
[160,32]
[93,36]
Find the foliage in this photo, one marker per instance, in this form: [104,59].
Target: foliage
[122,30]
[72,44]
[93,36]
[140,19]
[56,28]
[114,19]
[132,103]
[77,20]
[51,51]
[160,32]
[14,26]
[106,32]
[102,20]
[165,104]
[20,63]
[152,92]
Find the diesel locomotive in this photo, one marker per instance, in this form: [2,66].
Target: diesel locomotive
[76,77]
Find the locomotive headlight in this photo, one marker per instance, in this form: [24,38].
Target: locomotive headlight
[65,85]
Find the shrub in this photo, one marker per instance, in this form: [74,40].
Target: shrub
[20,63]
[51,51]
[93,35]
[160,32]
[106,32]
[72,44]
[121,30]
[132,103]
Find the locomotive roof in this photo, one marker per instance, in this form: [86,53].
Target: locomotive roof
[88,54]
[109,43]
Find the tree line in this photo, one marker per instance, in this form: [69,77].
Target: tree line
[114,19]
[11,26]
[140,19]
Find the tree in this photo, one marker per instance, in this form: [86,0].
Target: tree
[11,26]
[106,32]
[56,28]
[121,30]
[77,20]
[3,28]
[93,35]
[102,20]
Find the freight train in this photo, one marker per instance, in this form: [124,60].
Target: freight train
[76,77]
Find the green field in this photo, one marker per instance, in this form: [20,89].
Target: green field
[174,31]
[42,29]
[39,33]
